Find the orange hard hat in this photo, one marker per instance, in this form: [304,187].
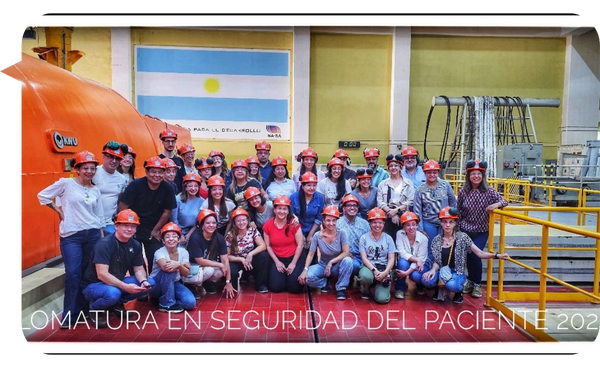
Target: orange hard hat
[476,165]
[214,153]
[309,177]
[335,161]
[409,151]
[282,200]
[278,161]
[431,165]
[408,216]
[251,192]
[203,163]
[394,158]
[239,163]
[331,210]
[215,180]
[131,152]
[349,198]
[308,152]
[252,160]
[192,177]
[364,173]
[170,227]
[239,212]
[448,213]
[85,157]
[155,162]
[371,152]
[341,154]
[185,149]
[127,217]
[169,163]
[204,214]
[262,146]
[167,133]
[114,149]
[376,214]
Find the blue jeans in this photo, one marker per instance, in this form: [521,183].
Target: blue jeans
[168,291]
[102,296]
[356,264]
[108,229]
[76,252]
[473,262]
[415,276]
[455,285]
[432,230]
[341,270]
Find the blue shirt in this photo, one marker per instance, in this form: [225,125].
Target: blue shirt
[265,172]
[378,176]
[275,189]
[313,214]
[417,179]
[186,213]
[354,230]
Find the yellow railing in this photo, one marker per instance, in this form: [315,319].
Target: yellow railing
[576,295]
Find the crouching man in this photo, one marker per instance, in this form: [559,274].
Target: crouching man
[104,284]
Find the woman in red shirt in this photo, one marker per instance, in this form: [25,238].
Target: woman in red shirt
[284,244]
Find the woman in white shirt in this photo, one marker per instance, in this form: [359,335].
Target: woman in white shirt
[412,261]
[334,186]
[395,195]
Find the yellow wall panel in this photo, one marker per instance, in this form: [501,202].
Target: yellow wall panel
[350,92]
[468,66]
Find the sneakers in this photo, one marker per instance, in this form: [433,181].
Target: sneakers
[99,318]
[458,298]
[468,287]
[476,293]
[341,295]
[325,289]
[143,298]
[365,296]
[210,287]
[175,308]
[421,291]
[399,294]
[263,289]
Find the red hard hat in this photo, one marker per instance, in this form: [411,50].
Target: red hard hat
[85,157]
[202,163]
[169,163]
[127,217]
[214,153]
[309,177]
[376,214]
[448,213]
[278,161]
[170,227]
[408,216]
[341,154]
[371,152]
[431,165]
[132,152]
[262,146]
[186,148]
[215,180]
[282,200]
[364,173]
[204,214]
[476,165]
[167,133]
[192,177]
[155,162]
[349,198]
[239,212]
[251,192]
[114,149]
[239,163]
[308,152]
[394,158]
[409,151]
[252,160]
[331,210]
[335,161]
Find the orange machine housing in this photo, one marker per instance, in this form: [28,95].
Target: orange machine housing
[63,114]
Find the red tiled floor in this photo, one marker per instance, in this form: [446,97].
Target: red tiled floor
[283,317]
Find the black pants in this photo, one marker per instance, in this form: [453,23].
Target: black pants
[279,282]
[260,270]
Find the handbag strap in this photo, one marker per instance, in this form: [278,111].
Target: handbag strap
[451,247]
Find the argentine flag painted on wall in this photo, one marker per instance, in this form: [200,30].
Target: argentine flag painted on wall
[216,93]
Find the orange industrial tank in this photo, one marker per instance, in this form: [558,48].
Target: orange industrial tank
[63,114]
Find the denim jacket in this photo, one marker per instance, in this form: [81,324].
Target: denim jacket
[313,211]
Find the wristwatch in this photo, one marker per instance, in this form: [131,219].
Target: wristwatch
[305,268]
[228,281]
[373,269]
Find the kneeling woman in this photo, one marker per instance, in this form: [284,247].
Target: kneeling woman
[335,260]
[451,249]
[170,264]
[208,249]
[284,242]
[246,251]
[412,261]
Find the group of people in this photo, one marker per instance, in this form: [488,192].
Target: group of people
[204,226]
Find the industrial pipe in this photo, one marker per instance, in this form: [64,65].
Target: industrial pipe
[500,101]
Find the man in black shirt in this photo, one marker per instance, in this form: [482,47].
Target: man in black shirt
[169,140]
[105,285]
